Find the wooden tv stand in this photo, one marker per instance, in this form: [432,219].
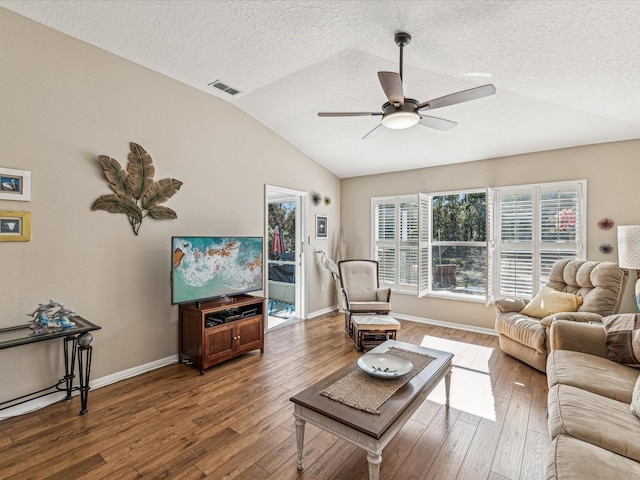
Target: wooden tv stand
[215,331]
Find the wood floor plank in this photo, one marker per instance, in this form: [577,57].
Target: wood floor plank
[509,451]
[236,420]
[535,447]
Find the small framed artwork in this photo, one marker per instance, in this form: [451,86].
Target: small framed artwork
[15,226]
[321,226]
[15,184]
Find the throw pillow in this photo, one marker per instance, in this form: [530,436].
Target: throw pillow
[635,399]
[623,338]
[549,301]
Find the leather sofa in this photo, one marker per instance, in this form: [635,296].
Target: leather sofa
[594,433]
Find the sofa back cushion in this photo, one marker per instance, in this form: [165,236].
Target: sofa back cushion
[600,284]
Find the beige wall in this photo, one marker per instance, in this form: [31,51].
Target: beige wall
[612,172]
[64,103]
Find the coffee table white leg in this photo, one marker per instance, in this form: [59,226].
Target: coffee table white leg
[299,423]
[374,465]
[447,386]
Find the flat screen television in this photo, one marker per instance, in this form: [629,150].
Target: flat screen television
[206,268]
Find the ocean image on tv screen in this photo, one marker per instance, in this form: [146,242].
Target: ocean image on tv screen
[208,267]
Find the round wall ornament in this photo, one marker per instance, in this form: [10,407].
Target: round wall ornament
[605,223]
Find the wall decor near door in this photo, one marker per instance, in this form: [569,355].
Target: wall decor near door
[136,194]
[15,226]
[15,184]
[321,226]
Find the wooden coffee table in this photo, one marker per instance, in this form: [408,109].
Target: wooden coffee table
[365,430]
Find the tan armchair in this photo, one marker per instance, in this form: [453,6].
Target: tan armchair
[361,291]
[598,286]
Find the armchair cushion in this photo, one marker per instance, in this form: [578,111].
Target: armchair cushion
[383,294]
[549,301]
[623,338]
[369,307]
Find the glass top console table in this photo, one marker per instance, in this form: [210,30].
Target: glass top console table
[76,342]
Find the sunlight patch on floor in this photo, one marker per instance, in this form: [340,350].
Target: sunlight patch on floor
[467,355]
[471,389]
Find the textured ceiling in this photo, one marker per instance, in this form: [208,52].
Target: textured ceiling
[566,72]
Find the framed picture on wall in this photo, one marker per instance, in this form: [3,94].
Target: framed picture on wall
[321,226]
[15,226]
[15,184]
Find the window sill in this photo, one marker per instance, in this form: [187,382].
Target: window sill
[446,295]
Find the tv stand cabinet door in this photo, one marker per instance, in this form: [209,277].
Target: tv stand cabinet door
[249,334]
[218,344]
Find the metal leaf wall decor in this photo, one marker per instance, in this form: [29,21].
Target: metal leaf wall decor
[136,194]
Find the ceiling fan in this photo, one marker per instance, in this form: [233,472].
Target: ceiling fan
[400,112]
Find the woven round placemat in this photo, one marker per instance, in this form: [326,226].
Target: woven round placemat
[364,392]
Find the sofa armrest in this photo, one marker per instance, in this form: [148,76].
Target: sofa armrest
[383,294]
[579,337]
[582,317]
[505,305]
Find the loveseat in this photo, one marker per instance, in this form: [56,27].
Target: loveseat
[594,431]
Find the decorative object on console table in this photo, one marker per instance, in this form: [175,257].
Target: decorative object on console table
[44,317]
[321,227]
[629,253]
[15,226]
[136,194]
[15,184]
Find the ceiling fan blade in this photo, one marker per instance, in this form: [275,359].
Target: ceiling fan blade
[348,114]
[392,86]
[459,97]
[373,133]
[437,123]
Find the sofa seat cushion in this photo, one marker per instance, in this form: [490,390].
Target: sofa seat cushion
[591,373]
[595,419]
[524,330]
[571,459]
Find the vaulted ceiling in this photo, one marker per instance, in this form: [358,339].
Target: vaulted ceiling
[566,72]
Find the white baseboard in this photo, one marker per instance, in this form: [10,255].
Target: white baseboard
[324,311]
[132,372]
[441,323]
[42,402]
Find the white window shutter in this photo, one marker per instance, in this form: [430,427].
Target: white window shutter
[490,248]
[424,258]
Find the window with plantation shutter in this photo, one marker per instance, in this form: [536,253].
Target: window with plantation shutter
[536,225]
[478,245]
[395,241]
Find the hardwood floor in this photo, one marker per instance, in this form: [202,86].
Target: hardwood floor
[235,421]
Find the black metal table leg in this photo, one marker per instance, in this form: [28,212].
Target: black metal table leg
[85,350]
[69,364]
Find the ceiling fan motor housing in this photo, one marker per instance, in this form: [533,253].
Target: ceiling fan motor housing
[402,39]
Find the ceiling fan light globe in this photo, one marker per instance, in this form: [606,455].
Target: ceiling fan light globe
[400,120]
